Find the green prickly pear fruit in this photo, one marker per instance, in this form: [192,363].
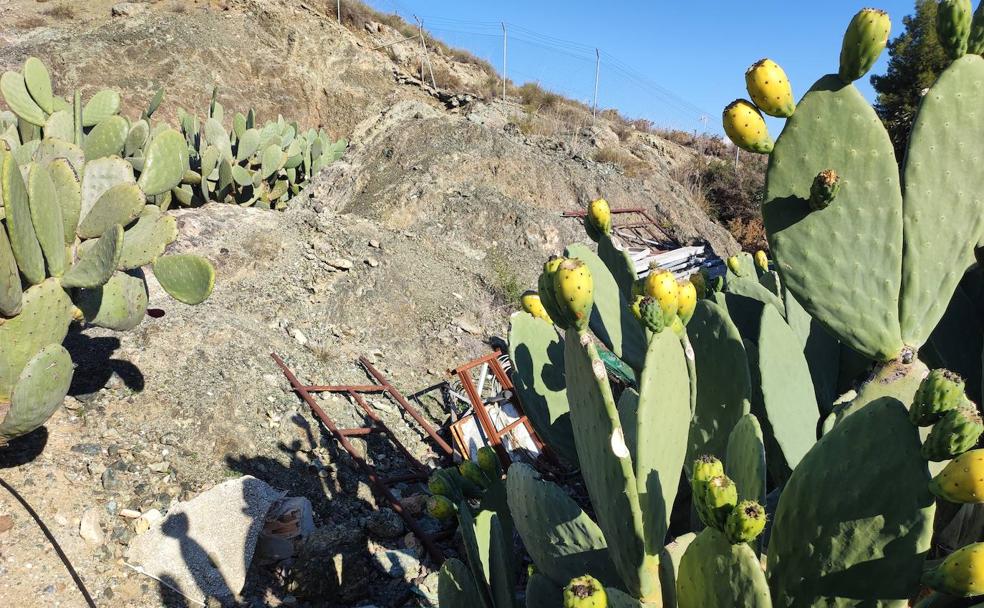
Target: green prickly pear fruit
[961,573]
[473,473]
[585,592]
[768,86]
[651,315]
[956,432]
[762,261]
[548,298]
[443,484]
[699,280]
[662,285]
[532,304]
[705,468]
[962,479]
[953,21]
[488,460]
[745,522]
[574,290]
[687,301]
[824,189]
[864,40]
[975,44]
[720,498]
[717,284]
[599,218]
[440,507]
[745,127]
[938,393]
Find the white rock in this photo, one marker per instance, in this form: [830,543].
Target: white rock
[89,528]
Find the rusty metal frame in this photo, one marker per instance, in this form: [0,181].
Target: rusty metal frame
[644,233]
[380,485]
[482,416]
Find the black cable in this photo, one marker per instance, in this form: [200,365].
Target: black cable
[54,543]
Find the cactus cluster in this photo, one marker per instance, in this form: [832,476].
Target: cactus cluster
[816,441]
[78,224]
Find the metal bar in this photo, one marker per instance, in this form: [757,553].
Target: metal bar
[432,549]
[378,421]
[484,420]
[405,478]
[406,406]
[356,432]
[344,388]
[582,213]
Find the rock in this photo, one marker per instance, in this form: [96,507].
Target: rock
[468,326]
[89,528]
[298,336]
[111,479]
[147,520]
[128,9]
[414,504]
[374,244]
[394,562]
[87,449]
[385,523]
[340,264]
[372,262]
[129,513]
[6,523]
[159,467]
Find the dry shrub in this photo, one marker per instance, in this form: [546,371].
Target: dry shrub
[534,96]
[60,11]
[750,233]
[30,23]
[631,166]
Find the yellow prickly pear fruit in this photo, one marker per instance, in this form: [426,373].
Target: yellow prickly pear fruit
[532,304]
[762,260]
[961,573]
[687,299]
[745,127]
[585,592]
[548,298]
[734,265]
[769,88]
[574,290]
[663,286]
[599,216]
[962,479]
[637,306]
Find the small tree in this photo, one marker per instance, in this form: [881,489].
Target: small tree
[916,60]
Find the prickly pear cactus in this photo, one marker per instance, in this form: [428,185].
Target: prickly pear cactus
[716,574]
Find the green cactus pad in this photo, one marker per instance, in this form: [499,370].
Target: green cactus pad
[477,537]
[944,193]
[99,261]
[19,100]
[187,278]
[100,175]
[25,153]
[120,304]
[60,125]
[896,380]
[541,592]
[165,163]
[103,104]
[723,381]
[750,287]
[136,137]
[10,283]
[38,83]
[669,567]
[745,459]
[20,227]
[148,238]
[273,160]
[68,193]
[770,280]
[39,391]
[46,312]
[822,351]
[248,145]
[106,139]
[617,259]
[216,135]
[537,355]
[121,204]
[50,150]
[663,409]
[821,255]
[784,403]
[716,574]
[957,341]
[502,564]
[456,587]
[155,103]
[605,462]
[620,599]
[242,176]
[560,538]
[611,318]
[46,217]
[841,536]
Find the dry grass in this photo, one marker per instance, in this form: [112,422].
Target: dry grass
[30,23]
[179,7]
[60,11]
[631,166]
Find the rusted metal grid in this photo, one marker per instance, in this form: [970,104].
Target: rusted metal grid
[377,425]
[639,231]
[491,364]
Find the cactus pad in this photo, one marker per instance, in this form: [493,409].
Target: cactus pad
[39,391]
[121,204]
[944,193]
[15,93]
[10,283]
[165,163]
[46,312]
[147,239]
[106,139]
[745,459]
[819,254]
[46,217]
[103,104]
[60,125]
[839,538]
[456,586]
[617,259]
[100,175]
[68,193]
[98,262]
[20,226]
[120,304]
[716,574]
[187,278]
[38,83]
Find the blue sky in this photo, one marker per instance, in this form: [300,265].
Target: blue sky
[665,60]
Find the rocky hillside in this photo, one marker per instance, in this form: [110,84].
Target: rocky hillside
[411,250]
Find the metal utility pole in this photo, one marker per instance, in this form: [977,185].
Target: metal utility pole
[338,9]
[594,108]
[504,57]
[425,58]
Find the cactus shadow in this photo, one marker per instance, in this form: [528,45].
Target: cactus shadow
[95,364]
[23,449]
